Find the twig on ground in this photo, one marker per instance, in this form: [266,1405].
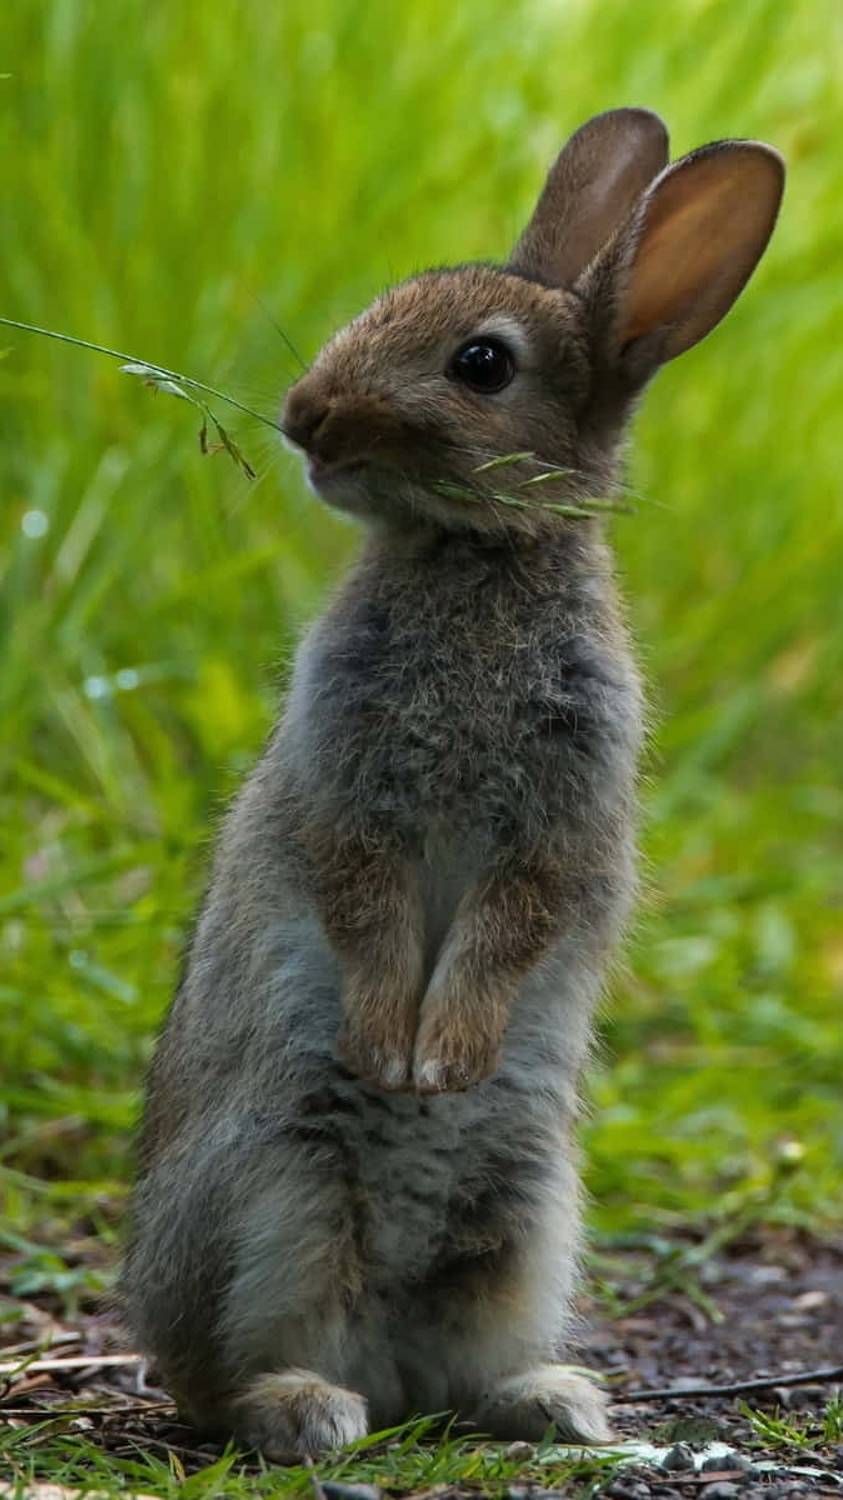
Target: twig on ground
[735,1388]
[69,1362]
[132,1408]
[31,1346]
[139,1444]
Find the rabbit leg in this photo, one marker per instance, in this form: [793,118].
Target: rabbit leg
[371,909]
[502,928]
[494,1311]
[553,1395]
[244,1270]
[296,1414]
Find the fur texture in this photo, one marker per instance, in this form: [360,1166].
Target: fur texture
[359,1195]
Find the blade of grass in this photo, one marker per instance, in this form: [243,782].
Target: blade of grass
[135,366]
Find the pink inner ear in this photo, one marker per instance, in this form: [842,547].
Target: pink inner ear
[705,228]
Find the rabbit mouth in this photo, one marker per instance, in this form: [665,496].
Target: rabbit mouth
[321,474]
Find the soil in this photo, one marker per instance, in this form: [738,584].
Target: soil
[772,1307]
[768,1305]
[776,1307]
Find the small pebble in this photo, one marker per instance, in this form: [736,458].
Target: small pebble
[716,1463]
[803,1397]
[730,1460]
[628,1489]
[698,1431]
[336,1491]
[520,1453]
[723,1489]
[680,1456]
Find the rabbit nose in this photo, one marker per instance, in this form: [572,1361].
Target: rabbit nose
[302,415]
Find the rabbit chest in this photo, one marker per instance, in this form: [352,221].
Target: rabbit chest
[462,693]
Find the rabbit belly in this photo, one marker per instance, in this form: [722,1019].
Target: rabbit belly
[407,1248]
[410,1250]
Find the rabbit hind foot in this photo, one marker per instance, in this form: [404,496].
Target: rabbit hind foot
[555,1397]
[297,1414]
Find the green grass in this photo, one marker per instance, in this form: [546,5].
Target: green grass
[403,1460]
[150,597]
[175,180]
[799,1430]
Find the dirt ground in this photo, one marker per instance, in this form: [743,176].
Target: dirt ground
[767,1306]
[776,1306]
[772,1306]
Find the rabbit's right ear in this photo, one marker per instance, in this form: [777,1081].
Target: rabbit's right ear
[688,251]
[591,188]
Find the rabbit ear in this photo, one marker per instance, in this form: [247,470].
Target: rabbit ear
[591,188]
[684,258]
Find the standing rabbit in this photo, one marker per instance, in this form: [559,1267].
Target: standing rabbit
[358,1196]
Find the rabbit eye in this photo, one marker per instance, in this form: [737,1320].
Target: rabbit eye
[485,365]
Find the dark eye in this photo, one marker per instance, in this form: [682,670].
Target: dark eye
[486,365]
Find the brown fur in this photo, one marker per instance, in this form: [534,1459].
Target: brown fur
[370,904]
[359,1194]
[594,184]
[501,930]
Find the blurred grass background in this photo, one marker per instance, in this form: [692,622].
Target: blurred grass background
[176,178]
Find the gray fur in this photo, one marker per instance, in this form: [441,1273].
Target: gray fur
[310,1251]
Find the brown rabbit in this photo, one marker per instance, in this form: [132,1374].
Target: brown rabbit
[359,1197]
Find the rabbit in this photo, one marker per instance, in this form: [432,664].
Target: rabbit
[358,1193]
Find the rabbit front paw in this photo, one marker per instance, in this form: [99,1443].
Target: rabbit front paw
[376,1045]
[450,1056]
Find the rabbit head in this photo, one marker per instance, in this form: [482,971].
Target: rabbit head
[625,263]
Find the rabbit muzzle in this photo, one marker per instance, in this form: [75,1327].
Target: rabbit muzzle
[336,430]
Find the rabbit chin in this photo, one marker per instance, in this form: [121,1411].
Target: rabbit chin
[382,494]
[365,489]
[344,485]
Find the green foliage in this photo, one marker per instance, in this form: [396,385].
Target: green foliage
[802,1430]
[399,1460]
[171,173]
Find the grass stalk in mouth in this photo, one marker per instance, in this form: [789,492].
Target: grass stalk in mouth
[197,393]
[171,383]
[585,509]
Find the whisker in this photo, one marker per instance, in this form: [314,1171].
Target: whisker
[282,333]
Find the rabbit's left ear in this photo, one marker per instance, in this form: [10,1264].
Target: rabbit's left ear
[682,260]
[593,185]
